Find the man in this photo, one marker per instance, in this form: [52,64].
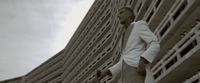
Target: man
[139,47]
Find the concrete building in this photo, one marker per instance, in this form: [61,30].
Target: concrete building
[14,80]
[50,71]
[95,44]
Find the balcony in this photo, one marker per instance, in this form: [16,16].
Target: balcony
[179,20]
[183,57]
[157,11]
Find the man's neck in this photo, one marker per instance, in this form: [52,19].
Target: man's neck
[127,24]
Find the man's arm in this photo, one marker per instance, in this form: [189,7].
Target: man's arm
[152,42]
[100,74]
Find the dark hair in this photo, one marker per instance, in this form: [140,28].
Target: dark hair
[129,10]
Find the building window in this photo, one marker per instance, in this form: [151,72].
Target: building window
[139,7]
[158,74]
[108,36]
[103,41]
[162,32]
[157,3]
[170,55]
[181,8]
[130,2]
[108,49]
[188,48]
[170,63]
[183,43]
[98,58]
[108,11]
[109,63]
[103,54]
[98,46]
[108,23]
[150,15]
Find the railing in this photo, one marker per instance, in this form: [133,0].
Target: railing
[189,44]
[193,79]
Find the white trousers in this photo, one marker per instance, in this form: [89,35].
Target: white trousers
[123,73]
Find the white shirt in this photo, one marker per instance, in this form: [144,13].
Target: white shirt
[141,43]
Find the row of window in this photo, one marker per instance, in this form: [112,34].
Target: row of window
[49,77]
[157,11]
[83,33]
[141,8]
[85,72]
[90,43]
[153,7]
[165,26]
[85,60]
[90,14]
[139,5]
[178,46]
[54,68]
[170,31]
[14,80]
[95,7]
[86,30]
[178,53]
[51,65]
[77,51]
[55,80]
[98,57]
[96,37]
[92,51]
[106,64]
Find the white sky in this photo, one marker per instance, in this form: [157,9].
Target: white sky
[31,31]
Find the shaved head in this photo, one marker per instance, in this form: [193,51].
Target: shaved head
[129,10]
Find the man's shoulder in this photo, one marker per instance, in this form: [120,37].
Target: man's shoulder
[141,22]
[137,24]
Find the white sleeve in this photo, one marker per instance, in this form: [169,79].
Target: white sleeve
[116,70]
[153,45]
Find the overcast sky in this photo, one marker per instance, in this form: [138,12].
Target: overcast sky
[31,31]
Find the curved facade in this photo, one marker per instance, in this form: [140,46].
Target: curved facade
[95,44]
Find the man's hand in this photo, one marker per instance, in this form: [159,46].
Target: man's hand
[141,67]
[100,74]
